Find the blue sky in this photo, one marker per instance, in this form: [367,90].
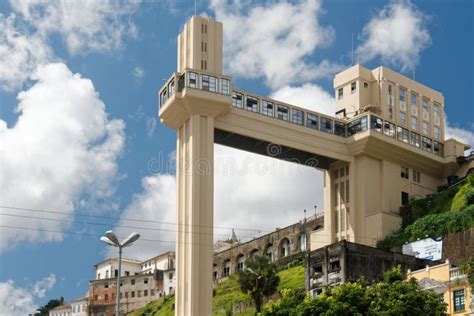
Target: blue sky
[85,132]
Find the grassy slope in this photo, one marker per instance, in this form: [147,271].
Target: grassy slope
[227,294]
[446,212]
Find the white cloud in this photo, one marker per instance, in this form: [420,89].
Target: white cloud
[465,136]
[138,73]
[84,25]
[156,202]
[62,150]
[46,284]
[309,96]
[397,34]
[273,40]
[251,191]
[151,124]
[20,53]
[20,301]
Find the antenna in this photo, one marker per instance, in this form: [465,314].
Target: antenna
[352,49]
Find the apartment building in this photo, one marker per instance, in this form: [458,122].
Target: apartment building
[450,283]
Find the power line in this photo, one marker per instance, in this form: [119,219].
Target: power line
[109,225]
[127,219]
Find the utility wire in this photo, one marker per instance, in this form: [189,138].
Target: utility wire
[128,219]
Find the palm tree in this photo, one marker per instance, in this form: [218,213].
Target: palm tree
[259,279]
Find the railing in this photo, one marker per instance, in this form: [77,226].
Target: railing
[456,273]
[192,79]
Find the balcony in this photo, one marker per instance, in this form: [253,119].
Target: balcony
[456,273]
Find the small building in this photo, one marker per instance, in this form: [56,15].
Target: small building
[346,262]
[450,283]
[109,268]
[61,310]
[80,306]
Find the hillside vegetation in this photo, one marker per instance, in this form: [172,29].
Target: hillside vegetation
[442,213]
[227,294]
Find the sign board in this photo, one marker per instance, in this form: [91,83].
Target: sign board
[429,248]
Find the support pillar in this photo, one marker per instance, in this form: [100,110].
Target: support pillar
[195,183]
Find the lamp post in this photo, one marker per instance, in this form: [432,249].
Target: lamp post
[111,239]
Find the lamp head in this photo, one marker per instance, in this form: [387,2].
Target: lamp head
[107,241]
[130,239]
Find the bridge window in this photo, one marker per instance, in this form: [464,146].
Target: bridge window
[339,128]
[326,125]
[438,149]
[403,134]
[426,144]
[357,126]
[312,120]
[209,83]
[252,104]
[389,129]
[297,116]
[415,139]
[267,108]
[237,99]
[376,124]
[225,84]
[192,80]
[282,113]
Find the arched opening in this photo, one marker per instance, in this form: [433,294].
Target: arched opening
[284,247]
[227,268]
[269,252]
[302,242]
[240,262]
[253,253]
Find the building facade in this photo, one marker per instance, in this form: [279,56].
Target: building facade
[143,282]
[279,245]
[80,306]
[450,283]
[346,262]
[384,145]
[62,310]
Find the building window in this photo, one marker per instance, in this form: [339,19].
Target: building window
[214,275]
[426,144]
[145,280]
[424,104]
[436,133]
[389,129]
[152,292]
[326,125]
[376,123]
[267,108]
[353,87]
[366,85]
[425,128]
[225,84]
[339,129]
[405,198]
[106,285]
[192,80]
[283,113]
[334,265]
[139,293]
[297,116]
[414,122]
[312,120]
[145,292]
[415,139]
[357,126]
[170,276]
[438,149]
[227,270]
[458,297]
[132,294]
[340,93]
[237,100]
[402,118]
[403,134]
[402,96]
[209,83]
[126,294]
[96,297]
[106,297]
[404,172]
[435,109]
[132,281]
[414,104]
[416,176]
[252,104]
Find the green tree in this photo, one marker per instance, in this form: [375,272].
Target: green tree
[44,310]
[259,279]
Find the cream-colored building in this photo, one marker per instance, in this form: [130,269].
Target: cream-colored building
[450,283]
[384,145]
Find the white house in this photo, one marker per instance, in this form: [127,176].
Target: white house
[62,310]
[109,268]
[80,306]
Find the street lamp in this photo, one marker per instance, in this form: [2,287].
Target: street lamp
[111,239]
